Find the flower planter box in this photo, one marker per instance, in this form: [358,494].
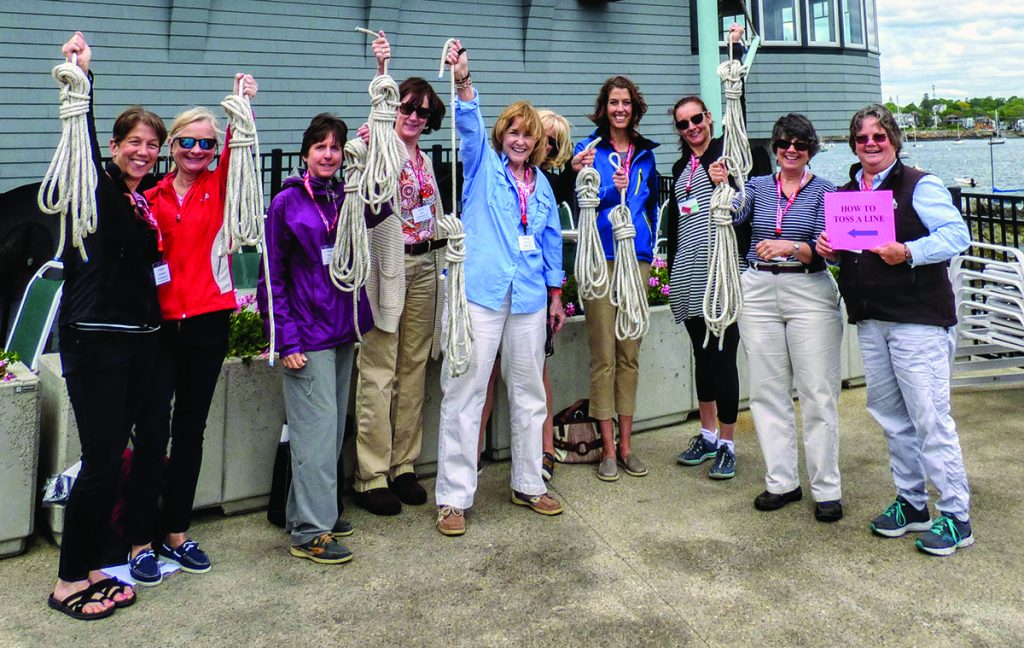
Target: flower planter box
[19,456]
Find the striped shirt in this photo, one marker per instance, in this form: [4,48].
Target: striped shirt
[803,222]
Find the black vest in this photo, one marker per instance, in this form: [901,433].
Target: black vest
[873,289]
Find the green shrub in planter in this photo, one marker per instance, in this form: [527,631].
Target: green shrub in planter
[246,337]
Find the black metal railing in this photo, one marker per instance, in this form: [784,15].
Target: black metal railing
[997,219]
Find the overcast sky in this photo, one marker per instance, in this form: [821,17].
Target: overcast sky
[966,48]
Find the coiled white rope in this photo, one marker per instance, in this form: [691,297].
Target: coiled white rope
[723,295]
[350,259]
[458,343]
[627,291]
[69,186]
[591,268]
[386,155]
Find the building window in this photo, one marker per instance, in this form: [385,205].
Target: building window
[780,22]
[821,22]
[726,21]
[853,23]
[872,23]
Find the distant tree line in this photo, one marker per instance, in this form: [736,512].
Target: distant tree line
[1010,109]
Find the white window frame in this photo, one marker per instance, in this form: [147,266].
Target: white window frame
[721,34]
[837,26]
[871,25]
[797,26]
[863,24]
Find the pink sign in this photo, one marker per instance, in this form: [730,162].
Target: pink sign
[859,220]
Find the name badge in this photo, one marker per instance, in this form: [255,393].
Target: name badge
[422,214]
[689,207]
[527,243]
[326,253]
[161,273]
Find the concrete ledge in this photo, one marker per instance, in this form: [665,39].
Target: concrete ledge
[19,456]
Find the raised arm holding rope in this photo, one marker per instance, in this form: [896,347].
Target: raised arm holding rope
[515,259]
[196,299]
[624,160]
[109,318]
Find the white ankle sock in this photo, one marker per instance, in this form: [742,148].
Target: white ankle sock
[729,444]
[710,437]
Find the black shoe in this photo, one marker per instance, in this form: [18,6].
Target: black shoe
[408,489]
[830,511]
[379,501]
[770,501]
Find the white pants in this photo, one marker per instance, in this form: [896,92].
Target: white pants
[521,340]
[907,367]
[792,331]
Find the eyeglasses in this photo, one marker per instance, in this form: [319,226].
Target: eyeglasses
[205,143]
[877,138]
[783,145]
[408,109]
[696,120]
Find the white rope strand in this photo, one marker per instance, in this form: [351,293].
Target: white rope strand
[627,291]
[350,259]
[591,268]
[69,186]
[458,343]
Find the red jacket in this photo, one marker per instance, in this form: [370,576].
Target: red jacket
[200,279]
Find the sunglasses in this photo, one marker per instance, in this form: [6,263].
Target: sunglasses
[877,138]
[783,145]
[696,120]
[408,109]
[553,143]
[205,143]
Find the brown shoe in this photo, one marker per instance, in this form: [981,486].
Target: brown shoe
[451,521]
[543,504]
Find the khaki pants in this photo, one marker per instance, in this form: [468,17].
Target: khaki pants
[392,371]
[614,364]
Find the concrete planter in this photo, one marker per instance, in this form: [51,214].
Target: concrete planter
[19,455]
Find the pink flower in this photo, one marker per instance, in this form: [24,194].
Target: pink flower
[665,290]
[570,309]
[659,263]
[653,282]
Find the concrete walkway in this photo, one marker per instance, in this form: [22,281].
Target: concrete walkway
[672,559]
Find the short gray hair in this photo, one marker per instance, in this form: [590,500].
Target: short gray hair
[885,120]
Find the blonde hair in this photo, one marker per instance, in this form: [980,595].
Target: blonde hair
[187,118]
[563,138]
[530,126]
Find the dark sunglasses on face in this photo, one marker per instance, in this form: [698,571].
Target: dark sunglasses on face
[408,109]
[205,143]
[552,143]
[696,120]
[877,138]
[783,145]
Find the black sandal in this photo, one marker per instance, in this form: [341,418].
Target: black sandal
[111,587]
[75,603]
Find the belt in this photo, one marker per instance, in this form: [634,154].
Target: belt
[423,247]
[778,268]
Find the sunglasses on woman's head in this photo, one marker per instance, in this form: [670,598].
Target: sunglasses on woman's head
[205,143]
[783,145]
[408,109]
[877,138]
[696,120]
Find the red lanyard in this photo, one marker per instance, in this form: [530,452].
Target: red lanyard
[143,213]
[780,213]
[629,159]
[694,161]
[864,184]
[524,194]
[309,190]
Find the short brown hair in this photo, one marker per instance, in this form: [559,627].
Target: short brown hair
[319,128]
[417,88]
[132,117]
[682,102]
[531,125]
[600,116]
[885,120]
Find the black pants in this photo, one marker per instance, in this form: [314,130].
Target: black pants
[718,380]
[189,358]
[108,375]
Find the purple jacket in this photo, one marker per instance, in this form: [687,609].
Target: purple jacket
[310,313]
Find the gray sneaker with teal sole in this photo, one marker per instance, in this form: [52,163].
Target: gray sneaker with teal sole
[899,519]
[946,536]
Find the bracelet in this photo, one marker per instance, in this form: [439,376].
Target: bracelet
[462,50]
[906,254]
[464,82]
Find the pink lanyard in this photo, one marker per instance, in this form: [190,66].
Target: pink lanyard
[694,161]
[524,194]
[629,159]
[780,213]
[309,190]
[421,177]
[864,184]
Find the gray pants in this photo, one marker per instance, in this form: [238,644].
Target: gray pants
[316,400]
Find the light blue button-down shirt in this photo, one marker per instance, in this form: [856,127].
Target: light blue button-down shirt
[948,234]
[492,220]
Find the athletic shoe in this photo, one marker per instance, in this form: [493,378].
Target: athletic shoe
[188,556]
[700,450]
[323,549]
[145,569]
[900,518]
[724,466]
[946,536]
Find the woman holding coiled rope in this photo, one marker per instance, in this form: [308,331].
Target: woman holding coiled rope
[514,264]
[196,298]
[109,318]
[614,362]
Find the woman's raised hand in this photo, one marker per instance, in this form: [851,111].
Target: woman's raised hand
[245,84]
[77,45]
[381,50]
[735,32]
[717,172]
[582,159]
[363,133]
[458,58]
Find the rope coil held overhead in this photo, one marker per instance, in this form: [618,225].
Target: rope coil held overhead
[69,186]
[350,259]
[627,291]
[591,268]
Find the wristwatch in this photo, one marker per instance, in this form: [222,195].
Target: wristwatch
[796,248]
